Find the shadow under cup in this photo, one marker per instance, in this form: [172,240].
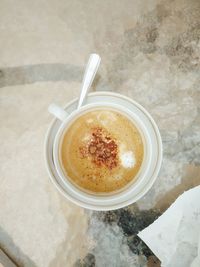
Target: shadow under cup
[136,180]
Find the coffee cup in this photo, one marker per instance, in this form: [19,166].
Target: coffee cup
[128,194]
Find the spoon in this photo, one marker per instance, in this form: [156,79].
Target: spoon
[90,72]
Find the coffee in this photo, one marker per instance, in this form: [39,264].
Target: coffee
[101,151]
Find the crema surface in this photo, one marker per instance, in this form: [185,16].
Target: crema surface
[101,151]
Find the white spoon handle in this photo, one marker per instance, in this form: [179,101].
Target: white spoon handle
[89,75]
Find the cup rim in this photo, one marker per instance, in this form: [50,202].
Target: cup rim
[154,170]
[132,187]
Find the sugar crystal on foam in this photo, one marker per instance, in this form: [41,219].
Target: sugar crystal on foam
[127,159]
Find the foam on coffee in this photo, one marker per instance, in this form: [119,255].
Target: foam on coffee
[101,151]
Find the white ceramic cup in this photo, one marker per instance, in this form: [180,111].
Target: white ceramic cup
[105,201]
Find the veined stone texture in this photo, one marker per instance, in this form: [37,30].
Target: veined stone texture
[150,52]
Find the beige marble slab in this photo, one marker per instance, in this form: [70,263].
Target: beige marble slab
[39,221]
[150,52]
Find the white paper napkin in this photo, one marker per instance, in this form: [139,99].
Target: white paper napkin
[175,236]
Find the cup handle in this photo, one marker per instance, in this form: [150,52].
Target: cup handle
[58,112]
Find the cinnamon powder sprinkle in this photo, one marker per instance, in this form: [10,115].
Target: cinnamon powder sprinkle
[101,148]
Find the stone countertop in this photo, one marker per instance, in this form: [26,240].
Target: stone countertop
[150,52]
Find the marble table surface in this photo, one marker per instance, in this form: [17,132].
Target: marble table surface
[150,52]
